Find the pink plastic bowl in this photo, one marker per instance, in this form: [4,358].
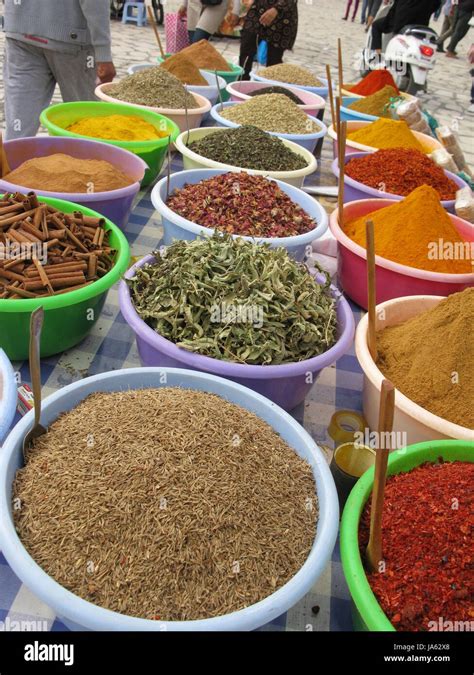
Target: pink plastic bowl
[354,189]
[393,280]
[114,204]
[313,103]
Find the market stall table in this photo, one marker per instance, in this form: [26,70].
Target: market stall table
[111,346]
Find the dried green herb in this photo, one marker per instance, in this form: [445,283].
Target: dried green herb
[249,148]
[277,90]
[153,87]
[234,300]
[273,112]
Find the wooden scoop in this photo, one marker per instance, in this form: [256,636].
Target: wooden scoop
[36,324]
[374,547]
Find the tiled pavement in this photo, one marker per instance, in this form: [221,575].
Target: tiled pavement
[319,26]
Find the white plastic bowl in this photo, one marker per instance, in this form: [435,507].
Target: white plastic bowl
[177,227]
[80,614]
[192,160]
[418,423]
[178,115]
[210,92]
[240,91]
[321,91]
[429,143]
[307,141]
[8,394]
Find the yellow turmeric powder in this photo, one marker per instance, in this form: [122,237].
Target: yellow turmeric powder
[416,232]
[387,133]
[117,128]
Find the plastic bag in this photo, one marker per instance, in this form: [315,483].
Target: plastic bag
[262,52]
[176,33]
[464,204]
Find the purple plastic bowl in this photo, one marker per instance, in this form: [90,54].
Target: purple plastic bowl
[355,190]
[115,204]
[287,385]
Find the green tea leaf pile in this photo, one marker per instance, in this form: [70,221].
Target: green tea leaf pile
[234,300]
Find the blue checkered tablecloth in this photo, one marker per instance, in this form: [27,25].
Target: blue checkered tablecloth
[111,345]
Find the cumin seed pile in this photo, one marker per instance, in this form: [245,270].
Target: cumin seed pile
[166,504]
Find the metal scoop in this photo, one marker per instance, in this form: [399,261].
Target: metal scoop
[36,324]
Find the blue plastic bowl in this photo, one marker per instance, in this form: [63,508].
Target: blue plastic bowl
[307,141]
[8,394]
[177,227]
[322,91]
[79,614]
[353,115]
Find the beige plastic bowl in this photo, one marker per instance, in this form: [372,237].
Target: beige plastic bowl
[178,115]
[417,422]
[429,143]
[191,160]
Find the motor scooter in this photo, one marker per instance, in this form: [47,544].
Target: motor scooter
[409,56]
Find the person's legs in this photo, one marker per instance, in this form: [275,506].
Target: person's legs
[379,27]
[365,6]
[446,31]
[274,55]
[29,86]
[348,9]
[191,36]
[200,34]
[460,30]
[74,73]
[248,50]
[356,7]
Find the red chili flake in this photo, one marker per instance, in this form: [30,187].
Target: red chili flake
[239,203]
[399,171]
[427,529]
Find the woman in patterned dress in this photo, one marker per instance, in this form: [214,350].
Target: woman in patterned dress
[275,21]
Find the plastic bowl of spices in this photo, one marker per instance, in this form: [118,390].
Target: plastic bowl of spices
[265,118]
[440,333]
[177,115]
[210,92]
[312,104]
[286,384]
[57,118]
[114,204]
[425,536]
[8,394]
[385,136]
[293,76]
[258,193]
[354,115]
[423,222]
[408,166]
[306,162]
[79,280]
[78,613]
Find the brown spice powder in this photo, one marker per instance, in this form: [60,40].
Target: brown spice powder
[184,69]
[63,173]
[429,358]
[205,56]
[166,503]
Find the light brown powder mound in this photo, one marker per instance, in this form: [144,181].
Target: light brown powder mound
[184,69]
[205,56]
[429,358]
[63,173]
[166,503]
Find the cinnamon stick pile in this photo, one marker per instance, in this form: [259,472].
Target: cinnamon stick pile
[45,252]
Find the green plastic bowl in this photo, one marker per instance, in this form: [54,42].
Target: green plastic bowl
[228,75]
[367,615]
[68,317]
[57,117]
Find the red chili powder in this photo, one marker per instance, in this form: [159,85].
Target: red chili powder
[399,171]
[375,80]
[427,529]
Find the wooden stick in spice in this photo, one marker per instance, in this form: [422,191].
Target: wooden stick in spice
[155,30]
[386,412]
[371,293]
[339,64]
[331,95]
[168,167]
